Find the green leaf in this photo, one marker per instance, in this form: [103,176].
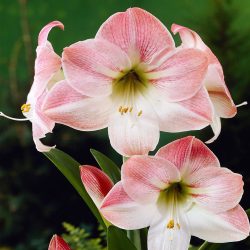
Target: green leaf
[70,169]
[107,165]
[117,240]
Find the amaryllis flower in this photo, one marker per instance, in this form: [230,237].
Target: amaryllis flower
[214,83]
[57,243]
[133,80]
[179,192]
[96,183]
[47,72]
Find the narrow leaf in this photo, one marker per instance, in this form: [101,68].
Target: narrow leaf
[107,165]
[117,240]
[70,169]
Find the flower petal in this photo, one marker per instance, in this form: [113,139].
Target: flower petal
[219,94]
[232,225]
[183,70]
[65,105]
[215,189]
[122,211]
[191,114]
[57,243]
[137,31]
[96,183]
[216,127]
[144,177]
[214,80]
[43,35]
[164,238]
[91,65]
[188,154]
[135,132]
[47,62]
[39,145]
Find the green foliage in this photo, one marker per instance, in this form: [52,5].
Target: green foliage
[79,239]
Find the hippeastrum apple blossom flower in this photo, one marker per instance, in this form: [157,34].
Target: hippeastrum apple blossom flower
[131,79]
[96,183]
[214,83]
[57,243]
[179,192]
[47,72]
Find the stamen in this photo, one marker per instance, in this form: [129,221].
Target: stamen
[140,113]
[131,109]
[241,104]
[120,109]
[25,107]
[125,110]
[170,224]
[178,226]
[12,118]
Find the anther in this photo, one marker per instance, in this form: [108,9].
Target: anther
[178,226]
[125,110]
[170,224]
[131,109]
[140,113]
[25,108]
[120,109]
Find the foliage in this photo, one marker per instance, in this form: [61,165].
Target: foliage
[79,239]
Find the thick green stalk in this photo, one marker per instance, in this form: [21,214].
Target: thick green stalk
[134,236]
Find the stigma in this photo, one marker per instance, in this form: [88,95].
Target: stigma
[25,108]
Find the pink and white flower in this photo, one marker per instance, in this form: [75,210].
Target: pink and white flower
[179,192]
[131,79]
[57,243]
[223,105]
[47,73]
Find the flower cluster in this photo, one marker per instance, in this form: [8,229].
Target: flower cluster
[134,80]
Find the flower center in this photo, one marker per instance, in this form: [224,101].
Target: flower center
[173,198]
[127,88]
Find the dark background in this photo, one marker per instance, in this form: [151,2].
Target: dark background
[34,197]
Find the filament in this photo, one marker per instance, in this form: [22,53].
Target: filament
[12,118]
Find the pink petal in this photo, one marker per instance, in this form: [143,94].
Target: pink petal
[43,35]
[191,114]
[65,105]
[183,70]
[144,177]
[137,31]
[215,189]
[123,212]
[91,65]
[214,80]
[47,62]
[189,155]
[135,132]
[96,183]
[232,225]
[57,243]
[219,94]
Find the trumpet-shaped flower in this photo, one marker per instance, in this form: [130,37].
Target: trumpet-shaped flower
[214,83]
[179,192]
[47,72]
[131,79]
[57,243]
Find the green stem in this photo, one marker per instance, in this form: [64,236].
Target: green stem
[134,236]
[204,246]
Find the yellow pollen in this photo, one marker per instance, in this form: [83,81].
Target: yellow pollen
[170,224]
[120,109]
[25,107]
[131,109]
[140,113]
[178,226]
[125,110]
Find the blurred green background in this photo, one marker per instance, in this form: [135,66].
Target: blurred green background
[34,197]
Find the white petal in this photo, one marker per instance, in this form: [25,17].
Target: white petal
[229,226]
